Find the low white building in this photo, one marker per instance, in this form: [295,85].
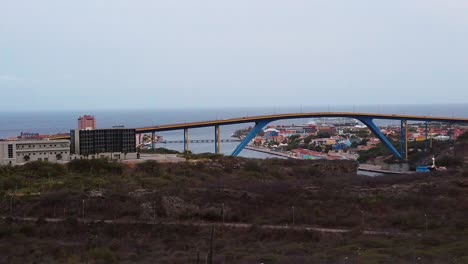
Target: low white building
[18,152]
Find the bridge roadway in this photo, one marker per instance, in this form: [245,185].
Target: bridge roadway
[269,118]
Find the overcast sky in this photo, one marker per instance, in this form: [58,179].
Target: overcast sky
[133,54]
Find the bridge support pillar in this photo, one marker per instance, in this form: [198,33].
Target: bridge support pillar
[369,122]
[257,128]
[153,138]
[217,140]
[186,140]
[426,140]
[404,139]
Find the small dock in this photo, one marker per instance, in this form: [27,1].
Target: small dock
[378,169]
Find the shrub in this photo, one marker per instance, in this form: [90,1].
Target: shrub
[6,230]
[449,161]
[149,167]
[43,169]
[463,137]
[95,166]
[11,182]
[54,198]
[27,230]
[102,255]
[252,165]
[465,173]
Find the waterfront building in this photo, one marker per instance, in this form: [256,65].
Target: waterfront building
[28,135]
[335,121]
[291,130]
[86,122]
[310,129]
[114,143]
[331,130]
[19,152]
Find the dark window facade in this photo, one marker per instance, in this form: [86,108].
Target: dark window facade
[104,140]
[10,151]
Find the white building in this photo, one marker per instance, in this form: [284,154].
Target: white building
[18,152]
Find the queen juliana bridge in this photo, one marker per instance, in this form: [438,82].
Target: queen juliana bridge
[261,121]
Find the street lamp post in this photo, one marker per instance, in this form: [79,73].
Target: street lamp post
[293,216]
[362,218]
[426,222]
[222,211]
[11,205]
[83,204]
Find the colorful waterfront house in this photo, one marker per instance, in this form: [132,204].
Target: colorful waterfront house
[319,141]
[340,146]
[348,143]
[258,141]
[310,129]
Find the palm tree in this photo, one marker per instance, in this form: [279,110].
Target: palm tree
[26,158]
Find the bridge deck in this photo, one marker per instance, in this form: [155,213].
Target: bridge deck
[254,119]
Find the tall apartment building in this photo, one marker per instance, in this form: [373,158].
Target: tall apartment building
[18,152]
[86,122]
[115,143]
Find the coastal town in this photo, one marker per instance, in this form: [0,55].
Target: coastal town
[343,138]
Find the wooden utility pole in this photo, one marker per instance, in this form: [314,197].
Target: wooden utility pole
[209,259]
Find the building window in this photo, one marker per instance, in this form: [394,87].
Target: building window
[10,151]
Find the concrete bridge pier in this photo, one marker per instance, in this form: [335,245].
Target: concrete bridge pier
[186,140]
[217,140]
[153,138]
[426,134]
[404,139]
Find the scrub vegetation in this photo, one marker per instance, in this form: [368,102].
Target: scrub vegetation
[153,207]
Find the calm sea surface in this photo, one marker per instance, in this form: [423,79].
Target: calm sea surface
[12,124]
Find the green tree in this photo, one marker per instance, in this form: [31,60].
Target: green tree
[323,135]
[293,137]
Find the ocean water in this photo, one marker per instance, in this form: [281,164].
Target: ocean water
[12,124]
